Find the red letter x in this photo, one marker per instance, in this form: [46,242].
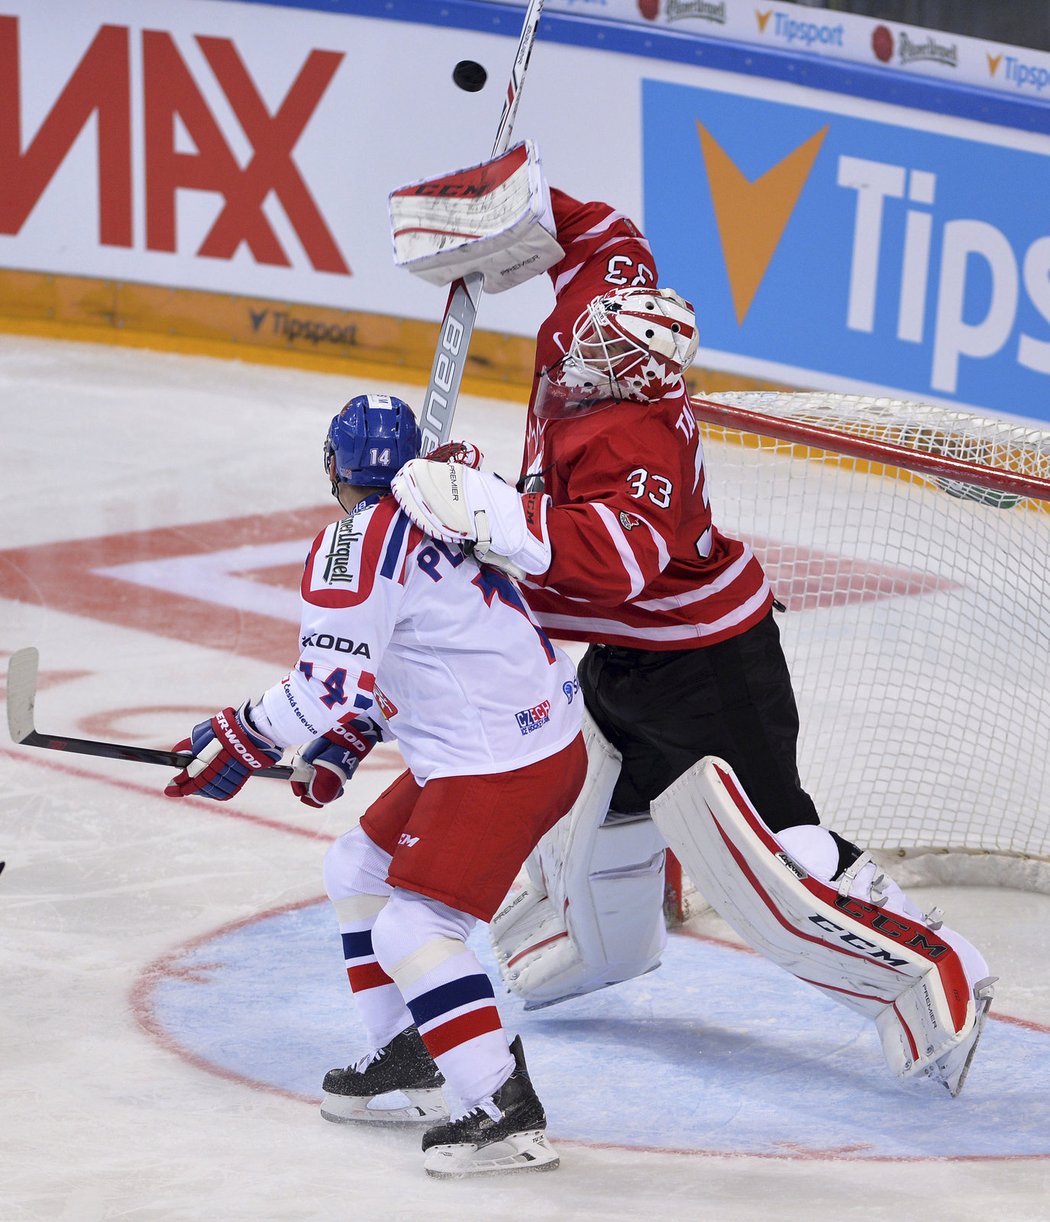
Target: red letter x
[172,92]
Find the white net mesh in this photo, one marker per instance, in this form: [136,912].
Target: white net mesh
[918,622]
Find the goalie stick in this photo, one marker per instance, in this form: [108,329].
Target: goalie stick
[461,309]
[21,698]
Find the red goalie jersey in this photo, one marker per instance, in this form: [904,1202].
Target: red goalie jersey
[636,558]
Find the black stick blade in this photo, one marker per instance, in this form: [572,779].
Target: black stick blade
[21,699]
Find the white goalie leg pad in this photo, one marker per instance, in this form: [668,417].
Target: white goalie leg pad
[592,913]
[858,939]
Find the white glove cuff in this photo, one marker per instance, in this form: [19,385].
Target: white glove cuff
[460,505]
[516,525]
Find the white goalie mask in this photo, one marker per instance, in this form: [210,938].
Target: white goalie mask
[628,344]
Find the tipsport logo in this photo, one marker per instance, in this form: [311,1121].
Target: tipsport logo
[530,720]
[293,329]
[753,214]
[1021,74]
[855,247]
[795,33]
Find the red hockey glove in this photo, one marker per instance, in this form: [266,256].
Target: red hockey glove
[228,749]
[333,759]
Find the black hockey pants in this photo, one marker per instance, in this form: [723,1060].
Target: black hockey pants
[664,710]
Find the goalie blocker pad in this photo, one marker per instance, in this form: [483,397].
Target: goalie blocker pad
[591,914]
[494,218]
[904,973]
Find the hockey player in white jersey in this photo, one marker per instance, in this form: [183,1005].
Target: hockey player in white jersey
[405,637]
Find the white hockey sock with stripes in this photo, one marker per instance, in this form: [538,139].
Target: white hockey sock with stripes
[355,871]
[421,943]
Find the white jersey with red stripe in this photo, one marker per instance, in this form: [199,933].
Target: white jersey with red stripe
[438,649]
[636,558]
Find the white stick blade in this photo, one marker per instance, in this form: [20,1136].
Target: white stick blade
[21,692]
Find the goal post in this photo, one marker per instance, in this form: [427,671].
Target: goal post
[910,545]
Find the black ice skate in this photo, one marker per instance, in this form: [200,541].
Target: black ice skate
[398,1084]
[503,1133]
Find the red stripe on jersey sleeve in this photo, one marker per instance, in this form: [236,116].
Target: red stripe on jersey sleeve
[589,230]
[593,556]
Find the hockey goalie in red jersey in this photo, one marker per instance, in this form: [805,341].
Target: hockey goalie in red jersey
[636,560]
[690,715]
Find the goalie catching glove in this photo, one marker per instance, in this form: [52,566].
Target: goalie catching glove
[494,219]
[327,763]
[492,520]
[227,749]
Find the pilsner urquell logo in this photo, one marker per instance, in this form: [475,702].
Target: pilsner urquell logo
[336,568]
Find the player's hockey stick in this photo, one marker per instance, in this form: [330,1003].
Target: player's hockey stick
[461,310]
[21,698]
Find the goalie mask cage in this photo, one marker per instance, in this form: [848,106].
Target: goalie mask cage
[910,545]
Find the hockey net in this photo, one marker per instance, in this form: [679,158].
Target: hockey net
[910,545]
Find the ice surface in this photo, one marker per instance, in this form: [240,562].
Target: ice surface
[171,984]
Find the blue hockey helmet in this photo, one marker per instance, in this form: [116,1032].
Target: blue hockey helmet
[370,441]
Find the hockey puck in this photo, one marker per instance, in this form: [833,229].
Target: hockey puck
[469,75]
